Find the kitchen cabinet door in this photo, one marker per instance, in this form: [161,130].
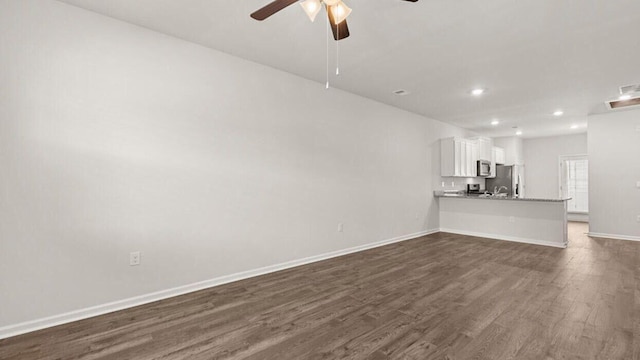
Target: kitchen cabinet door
[463,158]
[485,147]
[473,163]
[458,154]
[458,157]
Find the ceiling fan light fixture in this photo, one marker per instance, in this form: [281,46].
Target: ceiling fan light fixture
[331,2]
[340,12]
[311,8]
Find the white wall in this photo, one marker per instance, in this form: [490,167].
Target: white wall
[541,158]
[614,170]
[114,139]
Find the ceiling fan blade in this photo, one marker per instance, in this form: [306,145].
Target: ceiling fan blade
[271,8]
[411,0]
[340,31]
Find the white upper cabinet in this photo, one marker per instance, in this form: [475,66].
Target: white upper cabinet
[472,163]
[458,157]
[485,147]
[485,152]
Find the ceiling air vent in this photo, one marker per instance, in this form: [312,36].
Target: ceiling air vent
[629,97]
[623,104]
[629,89]
[401,92]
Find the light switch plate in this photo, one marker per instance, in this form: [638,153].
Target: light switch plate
[638,184]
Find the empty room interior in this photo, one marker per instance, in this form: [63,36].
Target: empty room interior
[319,179]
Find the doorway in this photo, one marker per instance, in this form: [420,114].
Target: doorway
[574,184]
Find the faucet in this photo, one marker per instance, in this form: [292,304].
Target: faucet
[497,190]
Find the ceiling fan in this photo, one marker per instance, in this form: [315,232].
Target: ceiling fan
[337,11]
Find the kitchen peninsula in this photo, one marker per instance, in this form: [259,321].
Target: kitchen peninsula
[525,220]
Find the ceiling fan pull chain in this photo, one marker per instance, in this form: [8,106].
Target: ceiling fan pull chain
[338,52]
[327,84]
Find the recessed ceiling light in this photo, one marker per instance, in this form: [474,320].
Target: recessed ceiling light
[477,92]
[624,97]
[573,127]
[495,122]
[518,132]
[558,113]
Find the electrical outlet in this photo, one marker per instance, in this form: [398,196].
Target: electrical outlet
[512,219]
[134,258]
[340,227]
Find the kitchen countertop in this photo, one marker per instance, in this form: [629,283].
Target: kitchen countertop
[462,194]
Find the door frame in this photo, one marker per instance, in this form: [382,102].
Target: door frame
[561,160]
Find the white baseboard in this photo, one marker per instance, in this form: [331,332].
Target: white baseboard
[505,238]
[38,324]
[614,236]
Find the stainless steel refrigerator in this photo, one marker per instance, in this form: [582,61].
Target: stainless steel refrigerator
[511,177]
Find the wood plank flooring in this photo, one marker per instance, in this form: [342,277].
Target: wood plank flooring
[441,296]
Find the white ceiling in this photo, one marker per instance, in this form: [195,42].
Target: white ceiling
[532,56]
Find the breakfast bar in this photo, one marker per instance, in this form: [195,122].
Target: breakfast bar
[525,220]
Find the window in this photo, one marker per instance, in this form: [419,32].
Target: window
[575,183]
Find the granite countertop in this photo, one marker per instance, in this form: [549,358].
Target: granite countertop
[464,195]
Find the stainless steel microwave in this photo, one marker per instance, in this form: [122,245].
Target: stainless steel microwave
[484,168]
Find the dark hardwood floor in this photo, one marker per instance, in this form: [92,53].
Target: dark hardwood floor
[441,296]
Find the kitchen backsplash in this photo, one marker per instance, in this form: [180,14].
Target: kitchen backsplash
[456,183]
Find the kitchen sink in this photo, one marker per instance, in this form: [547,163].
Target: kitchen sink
[488,195]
